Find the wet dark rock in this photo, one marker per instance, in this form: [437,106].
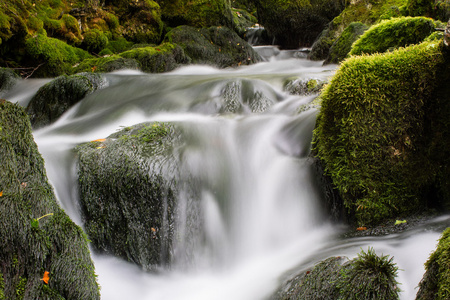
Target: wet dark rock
[57,96]
[128,192]
[8,79]
[36,234]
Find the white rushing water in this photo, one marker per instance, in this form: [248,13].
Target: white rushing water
[261,209]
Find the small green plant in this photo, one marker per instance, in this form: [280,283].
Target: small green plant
[35,222]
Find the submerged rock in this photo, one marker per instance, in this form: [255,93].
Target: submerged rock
[128,191]
[216,46]
[367,277]
[37,236]
[383,132]
[301,86]
[57,96]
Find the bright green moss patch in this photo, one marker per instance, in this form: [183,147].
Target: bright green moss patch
[55,56]
[57,245]
[435,283]
[392,34]
[380,131]
[342,46]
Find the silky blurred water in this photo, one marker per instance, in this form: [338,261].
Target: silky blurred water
[259,210]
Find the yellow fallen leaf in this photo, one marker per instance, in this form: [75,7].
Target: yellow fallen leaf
[99,140]
[1,193]
[361,228]
[46,277]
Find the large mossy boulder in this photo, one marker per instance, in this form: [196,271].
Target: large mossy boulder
[216,46]
[60,94]
[37,237]
[392,34]
[368,12]
[383,132]
[128,189]
[297,23]
[197,13]
[367,277]
[435,283]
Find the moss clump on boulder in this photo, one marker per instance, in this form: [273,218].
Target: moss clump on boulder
[107,64]
[381,132]
[367,12]
[31,243]
[368,276]
[217,46]
[95,40]
[57,96]
[53,56]
[297,23]
[128,189]
[342,46]
[196,13]
[392,34]
[299,86]
[435,283]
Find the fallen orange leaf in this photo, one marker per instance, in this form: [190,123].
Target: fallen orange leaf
[1,193]
[46,277]
[361,228]
[99,140]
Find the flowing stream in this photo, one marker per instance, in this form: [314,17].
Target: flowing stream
[248,145]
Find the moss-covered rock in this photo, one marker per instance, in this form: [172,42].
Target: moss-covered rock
[53,57]
[57,96]
[420,7]
[8,79]
[392,34]
[296,23]
[341,47]
[382,132]
[368,276]
[128,189]
[108,63]
[197,13]
[217,46]
[435,283]
[36,234]
[368,12]
[242,20]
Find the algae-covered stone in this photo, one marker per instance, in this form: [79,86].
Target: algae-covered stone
[341,47]
[435,283]
[36,234]
[128,190]
[382,132]
[297,23]
[57,96]
[8,79]
[367,277]
[217,46]
[392,34]
[299,86]
[197,13]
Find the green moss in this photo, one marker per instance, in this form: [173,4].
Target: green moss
[197,13]
[392,34]
[342,46]
[217,46]
[420,7]
[95,40]
[55,56]
[57,96]
[127,192]
[107,64]
[374,133]
[27,195]
[242,20]
[299,86]
[435,283]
